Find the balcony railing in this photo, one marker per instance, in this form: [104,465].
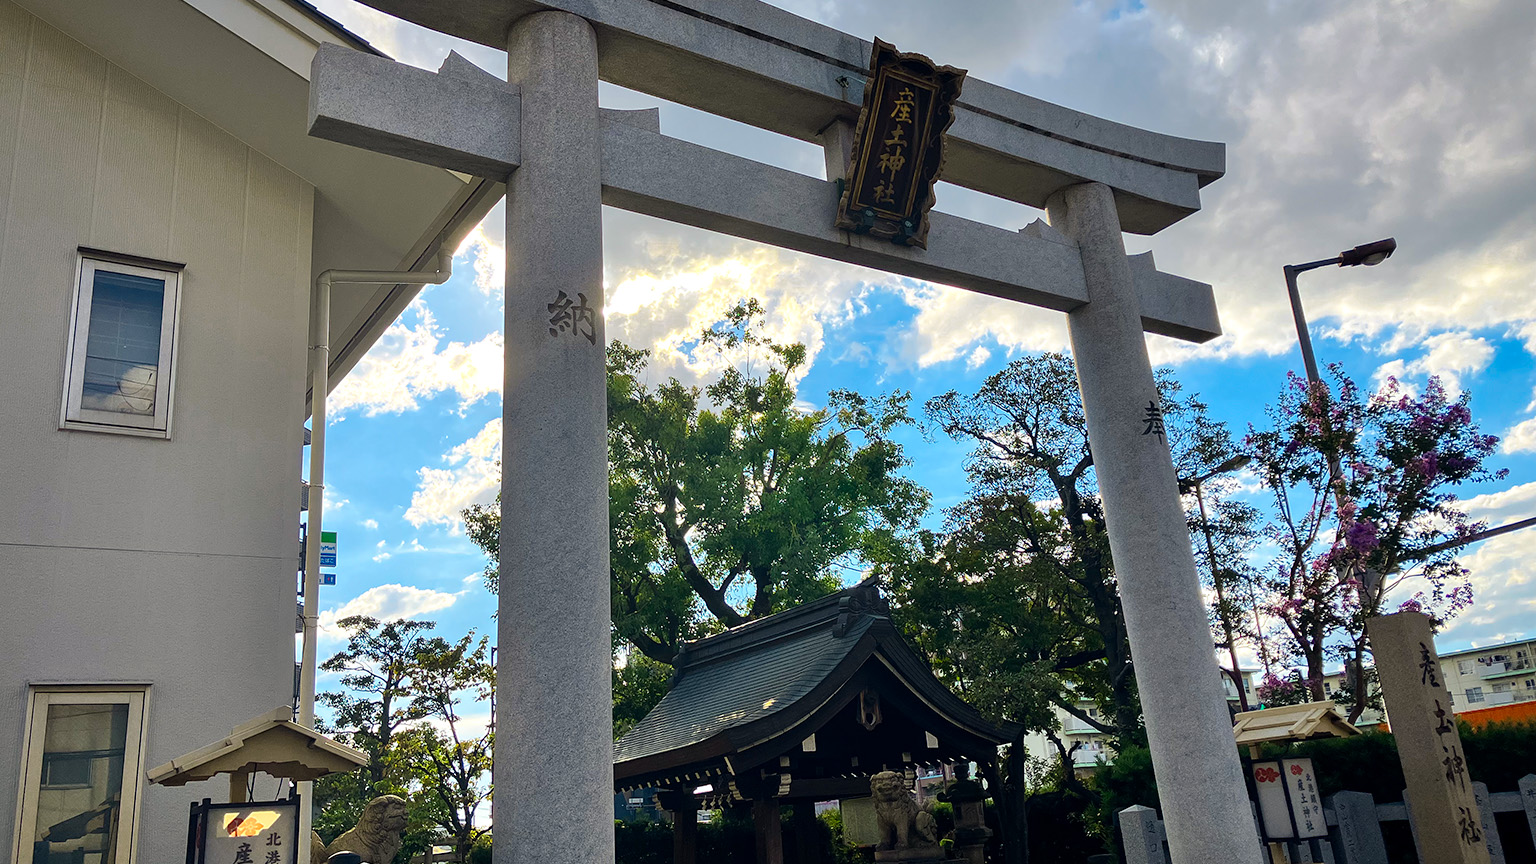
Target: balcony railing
[1504,667]
[1074,726]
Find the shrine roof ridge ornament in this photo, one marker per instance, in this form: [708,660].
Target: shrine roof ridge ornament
[755,63]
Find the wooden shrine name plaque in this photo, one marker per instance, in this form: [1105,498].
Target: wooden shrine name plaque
[898,147]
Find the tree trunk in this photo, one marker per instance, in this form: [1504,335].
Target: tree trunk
[1315,673]
[1013,820]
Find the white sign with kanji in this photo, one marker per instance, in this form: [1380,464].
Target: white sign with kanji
[261,833]
[1306,804]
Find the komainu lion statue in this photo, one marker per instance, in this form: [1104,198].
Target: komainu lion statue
[902,824]
[376,836]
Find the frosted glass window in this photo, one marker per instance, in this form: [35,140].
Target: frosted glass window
[80,779]
[122,347]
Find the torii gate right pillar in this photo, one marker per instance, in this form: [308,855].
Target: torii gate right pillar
[1199,777]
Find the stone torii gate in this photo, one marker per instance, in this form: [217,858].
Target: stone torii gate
[563,158]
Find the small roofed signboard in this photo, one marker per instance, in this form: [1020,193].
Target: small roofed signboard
[898,147]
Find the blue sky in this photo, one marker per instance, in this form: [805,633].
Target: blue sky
[1345,123]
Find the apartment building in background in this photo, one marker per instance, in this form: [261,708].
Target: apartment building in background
[1478,678]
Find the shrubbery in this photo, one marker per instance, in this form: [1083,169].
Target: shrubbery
[1498,755]
[729,837]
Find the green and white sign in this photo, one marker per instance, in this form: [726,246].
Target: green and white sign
[327,548]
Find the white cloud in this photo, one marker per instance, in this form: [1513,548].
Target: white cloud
[1527,334]
[1501,570]
[472,477]
[949,322]
[667,284]
[1521,438]
[387,552]
[371,524]
[386,603]
[490,257]
[410,363]
[1450,356]
[333,500]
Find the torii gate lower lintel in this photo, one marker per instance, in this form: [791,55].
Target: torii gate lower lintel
[563,158]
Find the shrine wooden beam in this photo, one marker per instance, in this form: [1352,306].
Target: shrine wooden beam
[375,103]
[828,788]
[755,63]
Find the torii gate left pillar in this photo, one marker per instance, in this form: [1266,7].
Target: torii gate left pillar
[553,627]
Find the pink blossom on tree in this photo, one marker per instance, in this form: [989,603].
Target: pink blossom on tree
[1347,542]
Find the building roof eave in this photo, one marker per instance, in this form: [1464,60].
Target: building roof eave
[243,65]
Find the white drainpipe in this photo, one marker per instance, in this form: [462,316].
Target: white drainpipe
[319,383]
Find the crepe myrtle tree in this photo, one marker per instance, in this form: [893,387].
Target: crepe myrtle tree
[1349,544]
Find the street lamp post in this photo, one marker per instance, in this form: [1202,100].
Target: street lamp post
[1193,485]
[1370,255]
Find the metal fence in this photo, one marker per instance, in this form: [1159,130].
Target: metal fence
[1354,828]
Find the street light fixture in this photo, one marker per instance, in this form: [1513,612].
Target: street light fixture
[1369,254]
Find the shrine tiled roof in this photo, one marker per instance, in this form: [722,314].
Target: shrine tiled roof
[738,688]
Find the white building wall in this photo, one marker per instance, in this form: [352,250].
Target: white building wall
[126,558]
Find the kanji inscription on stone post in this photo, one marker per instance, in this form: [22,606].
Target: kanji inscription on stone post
[1445,810]
[898,147]
[572,316]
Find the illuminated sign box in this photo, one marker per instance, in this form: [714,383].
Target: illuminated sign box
[252,832]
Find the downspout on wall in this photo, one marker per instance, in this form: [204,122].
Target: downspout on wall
[319,389]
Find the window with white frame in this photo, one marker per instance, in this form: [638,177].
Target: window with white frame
[1474,694]
[122,345]
[81,774]
[1464,667]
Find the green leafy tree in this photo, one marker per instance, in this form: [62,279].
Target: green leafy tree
[733,501]
[638,684]
[1226,531]
[1016,601]
[449,765]
[375,705]
[370,712]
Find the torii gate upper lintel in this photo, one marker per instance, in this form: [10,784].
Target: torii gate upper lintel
[758,64]
[563,158]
